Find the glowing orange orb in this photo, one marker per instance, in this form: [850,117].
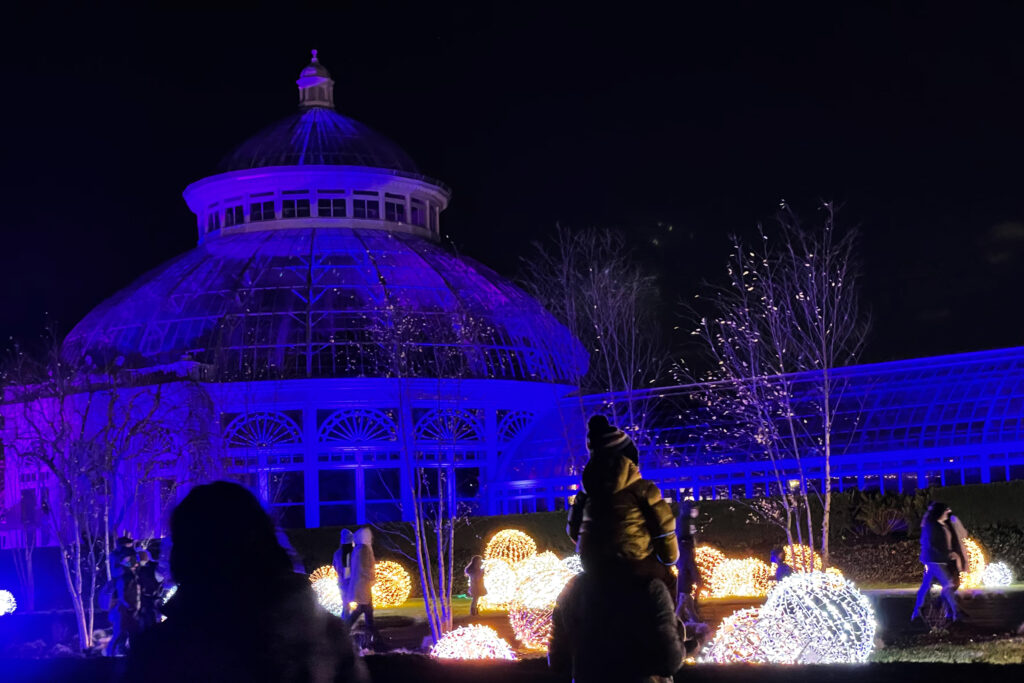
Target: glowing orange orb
[974,574]
[324,572]
[748,578]
[392,584]
[802,558]
[511,545]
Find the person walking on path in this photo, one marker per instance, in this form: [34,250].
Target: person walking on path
[360,587]
[150,590]
[943,557]
[124,607]
[342,562]
[688,574]
[475,573]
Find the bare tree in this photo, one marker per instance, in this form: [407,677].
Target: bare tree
[774,333]
[591,282]
[96,438]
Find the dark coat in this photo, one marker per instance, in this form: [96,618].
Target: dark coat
[477,589]
[273,632]
[939,544]
[619,515]
[614,628]
[363,575]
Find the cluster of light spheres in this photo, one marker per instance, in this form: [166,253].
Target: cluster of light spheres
[802,558]
[324,572]
[500,581]
[997,574]
[974,573]
[749,577]
[328,595]
[707,560]
[7,602]
[535,564]
[392,584]
[472,642]
[531,607]
[511,545]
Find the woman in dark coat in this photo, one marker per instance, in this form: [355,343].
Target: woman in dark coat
[943,559]
[689,576]
[475,573]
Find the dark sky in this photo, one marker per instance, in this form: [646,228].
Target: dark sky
[637,118]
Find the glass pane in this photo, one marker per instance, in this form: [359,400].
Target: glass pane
[467,482]
[337,485]
[383,484]
[290,516]
[323,207]
[286,487]
[383,512]
[338,515]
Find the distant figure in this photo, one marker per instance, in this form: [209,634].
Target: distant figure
[475,573]
[342,562]
[360,585]
[615,627]
[240,613]
[778,558]
[122,546]
[689,576]
[124,607]
[943,557]
[150,590]
[620,518]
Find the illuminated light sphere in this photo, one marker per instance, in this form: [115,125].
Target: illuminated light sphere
[834,571]
[531,607]
[511,545]
[7,602]
[326,571]
[573,564]
[801,558]
[995,575]
[500,581]
[472,642]
[737,639]
[816,618]
[974,575]
[328,595]
[392,584]
[545,561]
[748,578]
[707,559]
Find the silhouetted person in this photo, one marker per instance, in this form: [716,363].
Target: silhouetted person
[615,627]
[778,558]
[342,562]
[360,584]
[150,589]
[943,557]
[474,571]
[240,613]
[686,565]
[124,607]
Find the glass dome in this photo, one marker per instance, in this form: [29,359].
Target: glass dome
[329,303]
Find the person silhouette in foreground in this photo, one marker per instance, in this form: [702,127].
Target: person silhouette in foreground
[240,612]
[612,625]
[943,557]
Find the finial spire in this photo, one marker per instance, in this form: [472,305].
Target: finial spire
[316,89]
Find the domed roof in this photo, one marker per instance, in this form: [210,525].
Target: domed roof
[329,303]
[318,135]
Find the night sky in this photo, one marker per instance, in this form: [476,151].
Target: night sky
[910,117]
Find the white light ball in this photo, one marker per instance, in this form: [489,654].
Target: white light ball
[534,601]
[997,574]
[573,564]
[500,582]
[817,618]
[736,640]
[7,602]
[329,595]
[472,642]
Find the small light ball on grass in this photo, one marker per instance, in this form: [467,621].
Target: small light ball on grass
[472,642]
[324,572]
[737,639]
[997,574]
[392,584]
[531,607]
[500,580]
[7,602]
[328,595]
[511,545]
[973,575]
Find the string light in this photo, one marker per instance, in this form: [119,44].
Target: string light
[573,564]
[531,607]
[736,640]
[511,545]
[707,560]
[472,642]
[324,572]
[328,595]
[997,574]
[801,558]
[749,578]
[392,584]
[500,581]
[7,602]
[974,576]
[545,561]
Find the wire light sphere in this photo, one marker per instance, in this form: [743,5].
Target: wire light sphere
[816,618]
[707,560]
[472,642]
[802,558]
[500,579]
[747,578]
[574,564]
[736,640]
[7,602]
[511,545]
[531,608]
[329,595]
[974,575]
[392,584]
[545,561]
[324,572]
[996,575]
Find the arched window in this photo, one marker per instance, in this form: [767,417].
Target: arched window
[449,426]
[358,426]
[262,430]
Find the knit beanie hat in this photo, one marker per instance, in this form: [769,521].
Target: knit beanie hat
[605,439]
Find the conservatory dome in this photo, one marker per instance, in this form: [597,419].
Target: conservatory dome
[318,257]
